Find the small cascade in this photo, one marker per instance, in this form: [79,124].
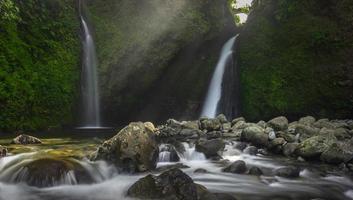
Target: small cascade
[190,154]
[213,97]
[89,80]
[40,170]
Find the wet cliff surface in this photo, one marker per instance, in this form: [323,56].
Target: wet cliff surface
[156,57]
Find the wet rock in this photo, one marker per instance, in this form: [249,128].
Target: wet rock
[271,135]
[213,134]
[236,120]
[200,171]
[338,152]
[26,139]
[210,124]
[289,149]
[308,120]
[173,155]
[279,123]
[3,151]
[222,118]
[172,166]
[306,132]
[210,148]
[262,124]
[237,167]
[323,123]
[226,126]
[238,125]
[288,172]
[251,150]
[286,136]
[240,146]
[277,142]
[190,125]
[189,134]
[255,171]
[48,172]
[255,135]
[313,147]
[133,149]
[170,185]
[342,133]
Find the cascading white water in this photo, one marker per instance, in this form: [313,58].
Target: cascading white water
[215,89]
[89,80]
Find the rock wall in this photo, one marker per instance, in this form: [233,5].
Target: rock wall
[295,59]
[156,56]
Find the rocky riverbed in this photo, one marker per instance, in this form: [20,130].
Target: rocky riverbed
[202,159]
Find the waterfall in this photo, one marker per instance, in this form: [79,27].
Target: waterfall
[89,80]
[214,93]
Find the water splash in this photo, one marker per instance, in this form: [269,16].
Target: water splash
[215,89]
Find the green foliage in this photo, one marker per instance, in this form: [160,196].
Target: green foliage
[292,56]
[38,63]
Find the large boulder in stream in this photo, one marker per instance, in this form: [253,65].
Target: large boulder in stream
[255,134]
[170,185]
[133,149]
[279,123]
[26,139]
[48,172]
[211,148]
[313,147]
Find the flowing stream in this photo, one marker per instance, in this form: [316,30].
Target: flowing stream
[108,184]
[211,104]
[89,80]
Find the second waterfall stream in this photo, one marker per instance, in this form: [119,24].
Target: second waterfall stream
[214,93]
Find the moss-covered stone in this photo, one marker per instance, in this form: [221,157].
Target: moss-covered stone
[295,59]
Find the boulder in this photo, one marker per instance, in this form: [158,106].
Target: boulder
[226,127]
[338,152]
[236,120]
[277,142]
[190,125]
[289,149]
[133,149]
[48,172]
[26,139]
[279,123]
[306,132]
[210,124]
[288,137]
[323,123]
[262,124]
[251,150]
[313,147]
[170,185]
[189,134]
[241,146]
[3,151]
[222,118]
[213,134]
[237,167]
[200,171]
[255,171]
[308,120]
[211,148]
[255,134]
[288,172]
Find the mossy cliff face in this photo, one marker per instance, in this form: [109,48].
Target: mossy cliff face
[156,56]
[39,55]
[295,58]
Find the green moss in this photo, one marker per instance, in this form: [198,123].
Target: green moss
[292,55]
[39,63]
